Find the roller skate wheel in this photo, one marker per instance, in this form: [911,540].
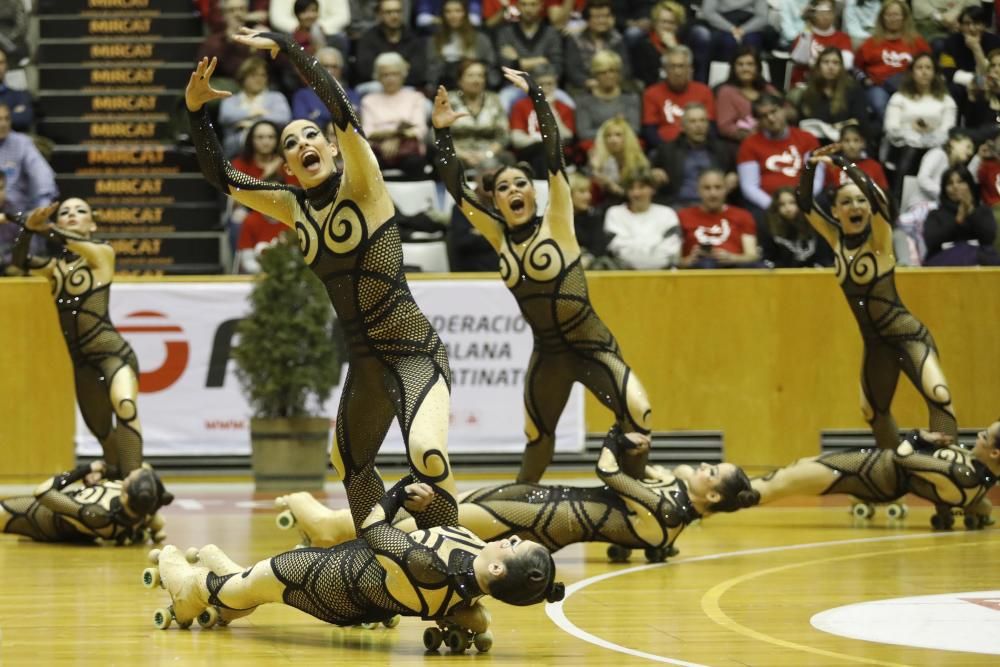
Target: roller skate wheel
[392,622]
[191,555]
[618,554]
[974,522]
[458,641]
[655,554]
[896,511]
[151,577]
[154,556]
[162,618]
[942,521]
[367,626]
[862,510]
[208,618]
[483,641]
[433,638]
[285,520]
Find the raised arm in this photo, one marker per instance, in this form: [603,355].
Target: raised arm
[450,171]
[273,200]
[820,220]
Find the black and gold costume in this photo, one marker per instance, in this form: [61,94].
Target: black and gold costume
[96,348]
[540,264]
[348,234]
[70,511]
[894,340]
[350,583]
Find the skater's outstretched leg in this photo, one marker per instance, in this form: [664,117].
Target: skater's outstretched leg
[320,525]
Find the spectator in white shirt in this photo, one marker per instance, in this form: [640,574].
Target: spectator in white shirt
[646,235]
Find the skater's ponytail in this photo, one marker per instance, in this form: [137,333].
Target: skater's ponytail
[529,579]
[736,492]
[146,493]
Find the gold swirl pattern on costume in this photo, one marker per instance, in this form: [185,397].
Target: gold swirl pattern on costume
[308,240]
[864,268]
[544,261]
[344,229]
[79,281]
[427,459]
[509,276]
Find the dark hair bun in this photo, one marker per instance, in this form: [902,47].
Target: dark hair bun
[166,498]
[557,592]
[748,498]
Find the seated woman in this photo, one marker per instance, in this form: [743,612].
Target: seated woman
[455,42]
[647,513]
[254,102]
[605,100]
[615,157]
[884,57]
[733,100]
[436,573]
[832,100]
[82,506]
[646,236]
[787,241]
[261,159]
[481,136]
[734,23]
[395,120]
[670,26]
[854,147]
[918,118]
[925,464]
[819,34]
[961,231]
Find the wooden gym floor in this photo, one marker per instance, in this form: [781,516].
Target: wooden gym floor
[743,591]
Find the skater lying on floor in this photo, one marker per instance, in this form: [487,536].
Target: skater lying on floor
[82,506]
[644,513]
[437,573]
[925,464]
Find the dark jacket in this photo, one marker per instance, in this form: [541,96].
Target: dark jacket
[374,42]
[940,228]
[670,157]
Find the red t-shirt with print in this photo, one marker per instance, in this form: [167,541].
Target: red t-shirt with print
[721,229]
[989,182]
[881,59]
[874,170]
[780,160]
[664,108]
[258,228]
[820,43]
[523,117]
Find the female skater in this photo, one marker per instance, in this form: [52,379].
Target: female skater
[437,573]
[82,506]
[923,464]
[647,513]
[540,263]
[347,233]
[860,234]
[104,366]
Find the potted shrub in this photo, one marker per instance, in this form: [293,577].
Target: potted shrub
[288,362]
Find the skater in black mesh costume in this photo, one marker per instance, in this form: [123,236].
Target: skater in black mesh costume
[860,233]
[82,506]
[348,234]
[647,513]
[540,264]
[923,464]
[104,366]
[435,572]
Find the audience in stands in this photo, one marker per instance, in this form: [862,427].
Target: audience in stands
[961,231]
[885,56]
[981,112]
[958,151]
[936,19]
[316,23]
[468,249]
[615,158]
[791,21]
[14,31]
[820,34]
[395,119]
[734,23]
[430,16]
[307,105]
[390,34]
[525,135]
[734,98]
[256,233]
[663,103]
[599,35]
[22,111]
[588,223]
[678,164]
[773,156]
[963,57]
[787,240]
[482,136]
[219,44]
[456,41]
[646,235]
[854,147]
[832,100]
[30,180]
[670,26]
[859,19]
[254,101]
[213,12]
[605,100]
[715,234]
[531,41]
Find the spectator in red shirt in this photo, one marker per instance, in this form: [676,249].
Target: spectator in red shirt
[525,135]
[886,55]
[774,156]
[717,235]
[663,103]
[257,230]
[852,144]
[820,34]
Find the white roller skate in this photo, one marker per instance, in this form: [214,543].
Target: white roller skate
[318,525]
[171,571]
[212,558]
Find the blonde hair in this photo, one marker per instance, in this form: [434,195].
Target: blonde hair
[674,8]
[909,31]
[605,59]
[633,159]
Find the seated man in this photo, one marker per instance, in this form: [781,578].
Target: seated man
[22,111]
[717,235]
[663,103]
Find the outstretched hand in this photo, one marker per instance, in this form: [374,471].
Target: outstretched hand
[823,153]
[443,115]
[254,40]
[516,77]
[199,89]
[418,497]
[38,220]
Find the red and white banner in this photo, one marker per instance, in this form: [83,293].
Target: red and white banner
[190,402]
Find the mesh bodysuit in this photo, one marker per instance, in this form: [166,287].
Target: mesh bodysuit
[348,584]
[540,264]
[627,512]
[894,340]
[395,354]
[96,348]
[69,511]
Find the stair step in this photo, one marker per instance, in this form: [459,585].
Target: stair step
[100,105]
[133,130]
[138,189]
[147,51]
[167,219]
[146,77]
[124,158]
[104,26]
[166,250]
[137,269]
[46,7]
